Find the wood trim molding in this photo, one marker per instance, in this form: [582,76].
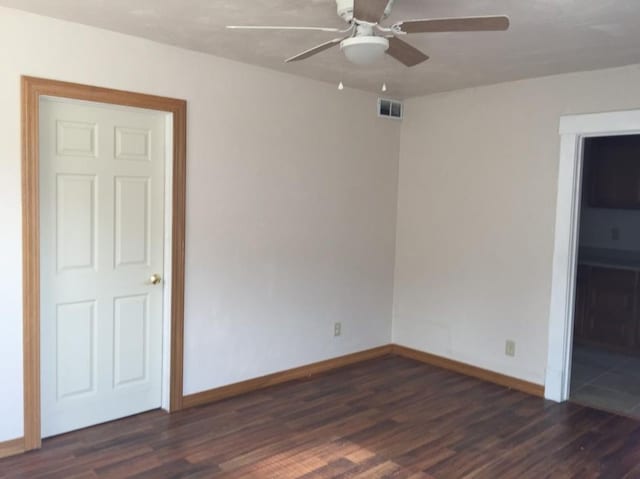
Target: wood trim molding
[30,267]
[469,370]
[242,387]
[178,234]
[216,394]
[32,90]
[12,447]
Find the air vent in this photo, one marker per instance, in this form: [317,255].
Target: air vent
[389,108]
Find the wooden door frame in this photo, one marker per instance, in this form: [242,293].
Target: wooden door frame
[32,89]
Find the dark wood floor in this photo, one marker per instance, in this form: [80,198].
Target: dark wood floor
[392,418]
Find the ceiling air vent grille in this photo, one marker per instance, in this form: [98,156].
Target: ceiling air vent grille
[389,108]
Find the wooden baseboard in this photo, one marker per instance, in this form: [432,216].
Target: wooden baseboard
[469,370]
[216,394]
[301,372]
[12,447]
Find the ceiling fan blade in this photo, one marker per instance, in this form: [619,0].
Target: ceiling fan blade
[268,27]
[369,10]
[312,51]
[460,24]
[405,53]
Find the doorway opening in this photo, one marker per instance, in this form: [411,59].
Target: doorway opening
[580,133]
[33,90]
[605,360]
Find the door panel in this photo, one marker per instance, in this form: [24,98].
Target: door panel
[76,221]
[75,349]
[132,221]
[75,138]
[132,144]
[130,340]
[102,232]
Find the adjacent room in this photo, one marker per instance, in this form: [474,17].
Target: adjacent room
[606,364]
[320,239]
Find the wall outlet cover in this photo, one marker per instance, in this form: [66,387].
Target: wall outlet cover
[615,233]
[510,348]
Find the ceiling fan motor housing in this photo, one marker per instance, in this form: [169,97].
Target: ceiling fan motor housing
[364,50]
[345,9]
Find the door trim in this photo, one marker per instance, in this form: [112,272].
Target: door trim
[573,130]
[32,89]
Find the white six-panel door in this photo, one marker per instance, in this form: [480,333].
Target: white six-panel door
[101,230]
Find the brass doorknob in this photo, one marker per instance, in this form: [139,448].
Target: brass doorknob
[155,278]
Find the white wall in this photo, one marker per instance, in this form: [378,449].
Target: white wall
[476,212]
[291,203]
[291,207]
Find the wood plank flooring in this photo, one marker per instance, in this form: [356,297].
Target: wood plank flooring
[386,418]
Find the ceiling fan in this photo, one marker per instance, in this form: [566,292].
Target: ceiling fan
[366,40]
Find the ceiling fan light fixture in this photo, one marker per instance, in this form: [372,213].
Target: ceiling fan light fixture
[364,50]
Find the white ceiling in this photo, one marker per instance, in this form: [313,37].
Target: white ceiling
[546,37]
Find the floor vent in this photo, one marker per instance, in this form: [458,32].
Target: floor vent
[389,108]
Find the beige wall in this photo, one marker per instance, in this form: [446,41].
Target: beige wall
[291,203]
[292,207]
[476,212]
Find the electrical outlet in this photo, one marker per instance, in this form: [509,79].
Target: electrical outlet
[510,348]
[337,329]
[615,233]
